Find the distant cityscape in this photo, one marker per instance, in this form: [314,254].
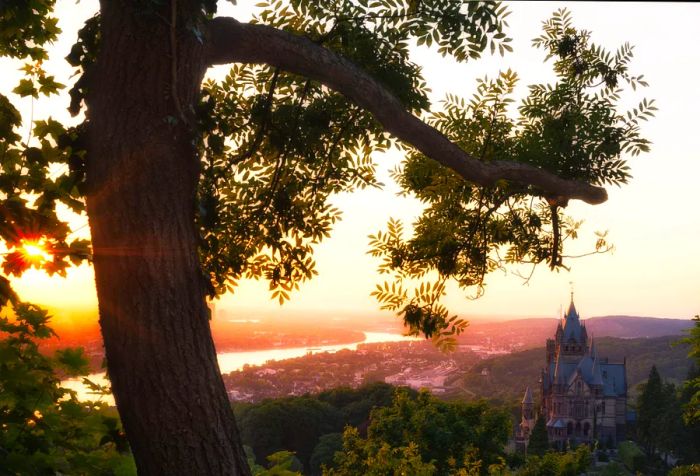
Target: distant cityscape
[419,364]
[413,364]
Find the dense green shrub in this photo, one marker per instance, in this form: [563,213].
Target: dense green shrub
[44,429]
[631,455]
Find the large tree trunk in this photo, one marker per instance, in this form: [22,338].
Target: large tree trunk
[142,178]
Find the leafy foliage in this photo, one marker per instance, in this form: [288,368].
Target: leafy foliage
[276,146]
[572,127]
[631,455]
[301,424]
[324,452]
[539,442]
[44,429]
[25,27]
[571,463]
[358,457]
[423,435]
[661,425]
[687,470]
[653,401]
[42,170]
[692,386]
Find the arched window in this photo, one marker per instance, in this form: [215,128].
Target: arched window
[569,428]
[586,428]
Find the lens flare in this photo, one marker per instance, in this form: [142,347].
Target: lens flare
[35,251]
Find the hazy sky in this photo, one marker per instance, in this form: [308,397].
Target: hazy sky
[653,222]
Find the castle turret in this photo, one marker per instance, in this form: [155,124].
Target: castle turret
[573,341]
[528,413]
[528,405]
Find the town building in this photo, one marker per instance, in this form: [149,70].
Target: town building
[583,397]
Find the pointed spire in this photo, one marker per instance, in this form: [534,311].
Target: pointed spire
[527,399]
[593,352]
[571,313]
[572,325]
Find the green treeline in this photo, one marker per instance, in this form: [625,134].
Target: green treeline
[306,425]
[377,429]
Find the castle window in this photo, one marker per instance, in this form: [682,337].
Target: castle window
[603,408]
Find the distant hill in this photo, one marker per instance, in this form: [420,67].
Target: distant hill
[505,378]
[632,326]
[528,333]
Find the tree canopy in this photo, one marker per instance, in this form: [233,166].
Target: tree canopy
[422,435]
[538,443]
[190,185]
[277,140]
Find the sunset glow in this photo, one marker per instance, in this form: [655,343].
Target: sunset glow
[35,251]
[653,270]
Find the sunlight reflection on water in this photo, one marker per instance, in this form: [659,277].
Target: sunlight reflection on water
[232,361]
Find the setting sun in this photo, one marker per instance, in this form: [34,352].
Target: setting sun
[35,251]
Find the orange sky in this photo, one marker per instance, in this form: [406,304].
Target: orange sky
[653,222]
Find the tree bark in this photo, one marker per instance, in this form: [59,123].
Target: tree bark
[142,173]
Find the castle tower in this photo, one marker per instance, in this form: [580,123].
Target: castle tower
[527,407]
[572,341]
[584,396]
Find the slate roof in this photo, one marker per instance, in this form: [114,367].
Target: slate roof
[593,372]
[556,423]
[592,369]
[573,330]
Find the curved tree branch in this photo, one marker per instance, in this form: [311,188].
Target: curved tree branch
[230,41]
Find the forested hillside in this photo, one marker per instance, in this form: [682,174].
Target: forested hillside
[380,429]
[505,378]
[310,426]
[530,333]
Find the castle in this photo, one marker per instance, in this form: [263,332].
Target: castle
[583,396]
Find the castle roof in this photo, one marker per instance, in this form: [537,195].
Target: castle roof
[563,370]
[594,372]
[527,399]
[573,330]
[556,423]
[597,377]
[559,372]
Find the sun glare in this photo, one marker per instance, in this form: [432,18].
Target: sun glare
[35,251]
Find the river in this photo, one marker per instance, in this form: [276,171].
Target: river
[232,361]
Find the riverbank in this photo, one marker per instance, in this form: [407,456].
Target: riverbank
[232,361]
